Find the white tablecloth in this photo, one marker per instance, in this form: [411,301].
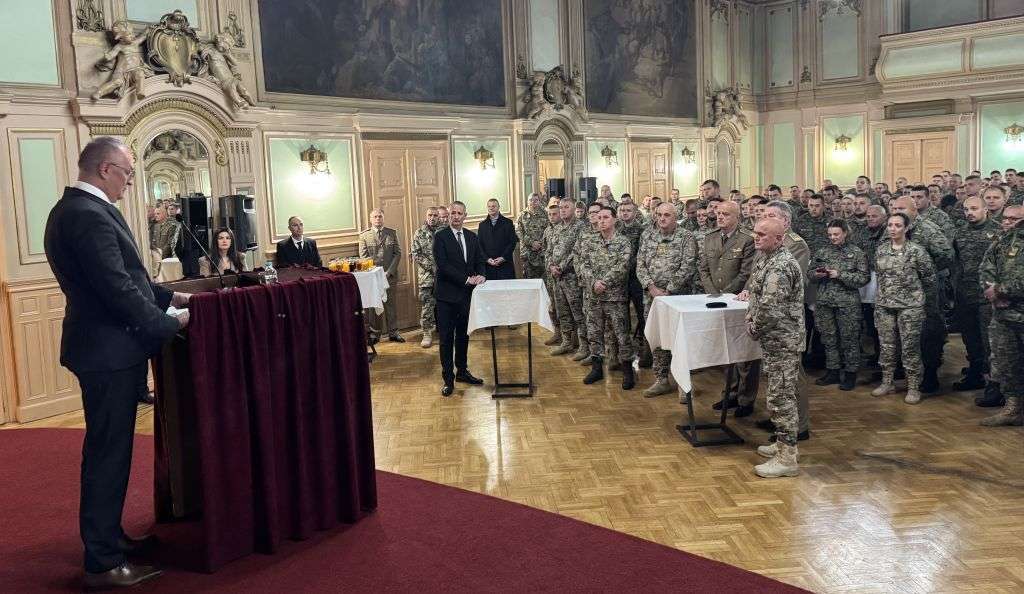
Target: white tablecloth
[170,270]
[508,302]
[697,336]
[373,287]
[870,290]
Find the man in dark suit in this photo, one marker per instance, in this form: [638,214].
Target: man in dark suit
[114,321]
[296,249]
[498,241]
[460,267]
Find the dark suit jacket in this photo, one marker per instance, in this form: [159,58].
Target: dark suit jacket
[289,255]
[498,241]
[115,316]
[452,268]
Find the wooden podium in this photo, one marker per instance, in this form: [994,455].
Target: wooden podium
[263,420]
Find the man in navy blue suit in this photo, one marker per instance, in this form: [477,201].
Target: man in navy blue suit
[460,268]
[114,321]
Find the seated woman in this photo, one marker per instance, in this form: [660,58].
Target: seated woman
[223,251]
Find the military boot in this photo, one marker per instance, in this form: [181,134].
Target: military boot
[628,377]
[428,339]
[646,358]
[768,451]
[567,346]
[973,380]
[848,380]
[886,387]
[596,370]
[662,386]
[831,377]
[784,463]
[556,338]
[992,396]
[913,393]
[582,353]
[1011,415]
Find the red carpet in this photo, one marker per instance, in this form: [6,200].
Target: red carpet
[423,538]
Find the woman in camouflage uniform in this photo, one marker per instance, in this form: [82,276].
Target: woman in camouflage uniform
[905,274]
[840,269]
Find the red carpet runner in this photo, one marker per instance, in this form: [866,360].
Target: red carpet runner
[423,538]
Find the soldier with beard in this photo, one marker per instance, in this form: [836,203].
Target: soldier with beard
[423,255]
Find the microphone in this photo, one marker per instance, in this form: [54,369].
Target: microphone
[213,264]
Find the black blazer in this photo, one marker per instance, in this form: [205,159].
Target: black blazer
[452,269]
[498,241]
[114,317]
[289,255]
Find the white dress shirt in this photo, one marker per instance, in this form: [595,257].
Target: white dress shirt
[87,187]
[462,243]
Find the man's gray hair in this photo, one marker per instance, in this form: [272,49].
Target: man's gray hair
[98,150]
[877,207]
[785,209]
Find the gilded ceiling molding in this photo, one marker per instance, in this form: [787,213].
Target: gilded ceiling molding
[170,104]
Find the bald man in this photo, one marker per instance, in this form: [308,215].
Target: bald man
[381,244]
[973,311]
[775,319]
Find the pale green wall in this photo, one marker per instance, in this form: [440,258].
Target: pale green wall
[544,34]
[475,186]
[325,202]
[839,52]
[780,46]
[963,148]
[745,49]
[686,178]
[994,52]
[719,53]
[750,158]
[843,168]
[926,14]
[783,154]
[614,177]
[933,58]
[879,155]
[996,153]
[39,182]
[150,11]
[28,50]
[809,181]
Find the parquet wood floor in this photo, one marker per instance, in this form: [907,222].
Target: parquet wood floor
[892,497]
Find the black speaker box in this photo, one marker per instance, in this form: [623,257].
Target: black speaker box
[556,187]
[588,189]
[195,214]
[238,213]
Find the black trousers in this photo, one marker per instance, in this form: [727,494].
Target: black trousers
[452,320]
[110,399]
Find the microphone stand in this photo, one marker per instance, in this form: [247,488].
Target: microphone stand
[214,265]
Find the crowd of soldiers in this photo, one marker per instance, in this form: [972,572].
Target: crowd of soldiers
[870,278]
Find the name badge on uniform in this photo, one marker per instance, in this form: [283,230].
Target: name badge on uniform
[737,250]
[662,249]
[1012,252]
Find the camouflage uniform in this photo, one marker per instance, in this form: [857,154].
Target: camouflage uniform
[933,332]
[165,238]
[609,263]
[423,255]
[568,303]
[1003,266]
[549,281]
[668,262]
[634,230]
[905,277]
[813,231]
[1016,197]
[585,246]
[973,311]
[776,319]
[837,314]
[530,228]
[939,218]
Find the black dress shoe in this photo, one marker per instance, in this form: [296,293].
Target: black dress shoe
[147,398]
[970,382]
[468,378]
[743,411]
[766,425]
[802,436]
[728,404]
[124,575]
[447,390]
[991,397]
[395,337]
[137,546]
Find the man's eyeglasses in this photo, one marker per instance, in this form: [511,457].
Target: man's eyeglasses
[128,172]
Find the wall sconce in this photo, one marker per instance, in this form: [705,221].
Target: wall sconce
[611,158]
[317,160]
[1013,133]
[843,143]
[484,157]
[689,157]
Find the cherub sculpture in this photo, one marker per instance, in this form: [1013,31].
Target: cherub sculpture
[224,68]
[725,105]
[125,61]
[574,93]
[536,104]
